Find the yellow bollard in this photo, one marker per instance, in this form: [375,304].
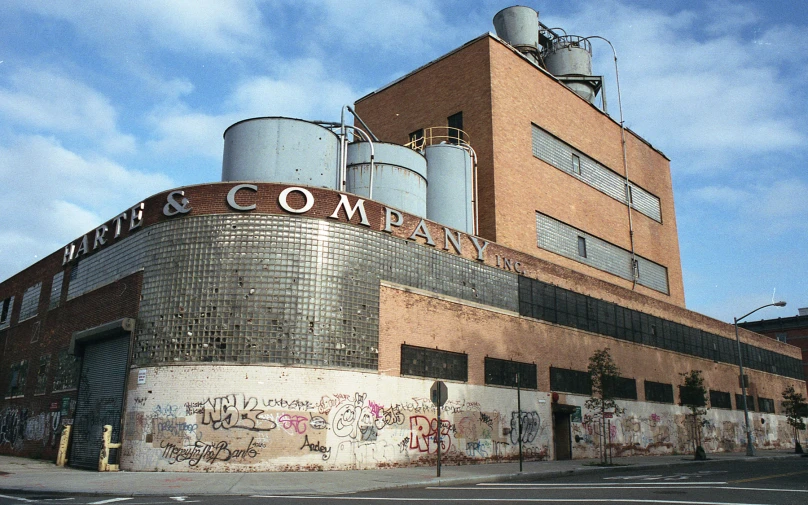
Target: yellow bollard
[106,445]
[61,456]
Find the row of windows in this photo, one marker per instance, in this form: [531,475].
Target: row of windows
[66,375]
[30,301]
[550,303]
[578,382]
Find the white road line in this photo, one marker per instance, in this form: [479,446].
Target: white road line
[781,490]
[111,500]
[503,500]
[594,484]
[22,499]
[574,488]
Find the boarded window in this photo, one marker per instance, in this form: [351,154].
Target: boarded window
[434,363]
[720,400]
[658,392]
[570,381]
[500,372]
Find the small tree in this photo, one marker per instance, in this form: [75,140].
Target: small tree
[796,408]
[693,395]
[604,374]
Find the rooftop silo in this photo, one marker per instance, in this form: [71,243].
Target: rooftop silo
[569,57]
[519,27]
[283,150]
[399,175]
[450,197]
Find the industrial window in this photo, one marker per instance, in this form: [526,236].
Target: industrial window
[576,164]
[581,246]
[624,388]
[720,400]
[56,290]
[501,372]
[781,337]
[658,392]
[750,402]
[570,381]
[17,375]
[766,405]
[5,311]
[42,375]
[455,123]
[30,302]
[417,138]
[434,363]
[67,372]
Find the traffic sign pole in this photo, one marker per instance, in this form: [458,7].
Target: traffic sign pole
[437,435]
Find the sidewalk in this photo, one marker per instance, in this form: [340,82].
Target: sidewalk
[21,474]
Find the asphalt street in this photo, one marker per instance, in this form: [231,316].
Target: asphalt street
[742,482]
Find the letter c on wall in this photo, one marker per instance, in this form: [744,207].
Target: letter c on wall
[285,205]
[231,197]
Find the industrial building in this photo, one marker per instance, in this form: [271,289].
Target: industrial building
[485,222]
[789,330]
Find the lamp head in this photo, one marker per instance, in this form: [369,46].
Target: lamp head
[780,304]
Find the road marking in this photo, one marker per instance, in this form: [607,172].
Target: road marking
[16,498]
[111,500]
[586,484]
[773,490]
[502,500]
[752,479]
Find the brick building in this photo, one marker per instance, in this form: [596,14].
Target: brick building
[789,330]
[256,324]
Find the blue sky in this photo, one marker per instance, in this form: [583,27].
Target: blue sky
[103,103]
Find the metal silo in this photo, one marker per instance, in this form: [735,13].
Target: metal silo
[450,196]
[399,177]
[519,27]
[570,56]
[284,150]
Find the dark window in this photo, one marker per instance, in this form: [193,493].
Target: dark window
[582,246]
[570,381]
[500,372]
[658,392]
[766,405]
[417,138]
[5,310]
[750,402]
[576,164]
[455,123]
[720,400]
[434,363]
[624,388]
[17,376]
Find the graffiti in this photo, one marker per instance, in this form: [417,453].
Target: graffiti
[44,427]
[236,411]
[530,427]
[392,416]
[477,449]
[282,403]
[404,444]
[165,410]
[354,418]
[192,408]
[499,448]
[316,447]
[207,452]
[318,423]
[298,423]
[174,427]
[424,434]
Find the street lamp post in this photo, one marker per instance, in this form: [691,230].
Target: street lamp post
[750,447]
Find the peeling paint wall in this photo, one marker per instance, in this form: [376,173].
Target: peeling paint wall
[251,418]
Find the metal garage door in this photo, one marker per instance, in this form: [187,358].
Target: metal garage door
[100,398]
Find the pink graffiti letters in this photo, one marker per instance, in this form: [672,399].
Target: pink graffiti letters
[297,422]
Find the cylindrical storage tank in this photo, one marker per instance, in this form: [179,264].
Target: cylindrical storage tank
[570,56]
[519,27]
[399,177]
[450,194]
[279,149]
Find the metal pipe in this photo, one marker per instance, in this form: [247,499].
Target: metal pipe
[750,446]
[366,127]
[629,203]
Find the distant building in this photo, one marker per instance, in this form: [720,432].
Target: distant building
[295,315]
[789,330]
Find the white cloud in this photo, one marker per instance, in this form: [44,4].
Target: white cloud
[50,195]
[50,102]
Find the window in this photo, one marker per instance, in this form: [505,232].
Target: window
[42,375]
[56,290]
[766,405]
[658,392]
[576,164]
[581,246]
[720,400]
[500,372]
[750,402]
[67,372]
[781,337]
[5,312]
[417,139]
[425,362]
[17,375]
[30,302]
[570,381]
[455,123]
[624,388]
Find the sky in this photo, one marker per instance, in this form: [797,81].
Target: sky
[106,102]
